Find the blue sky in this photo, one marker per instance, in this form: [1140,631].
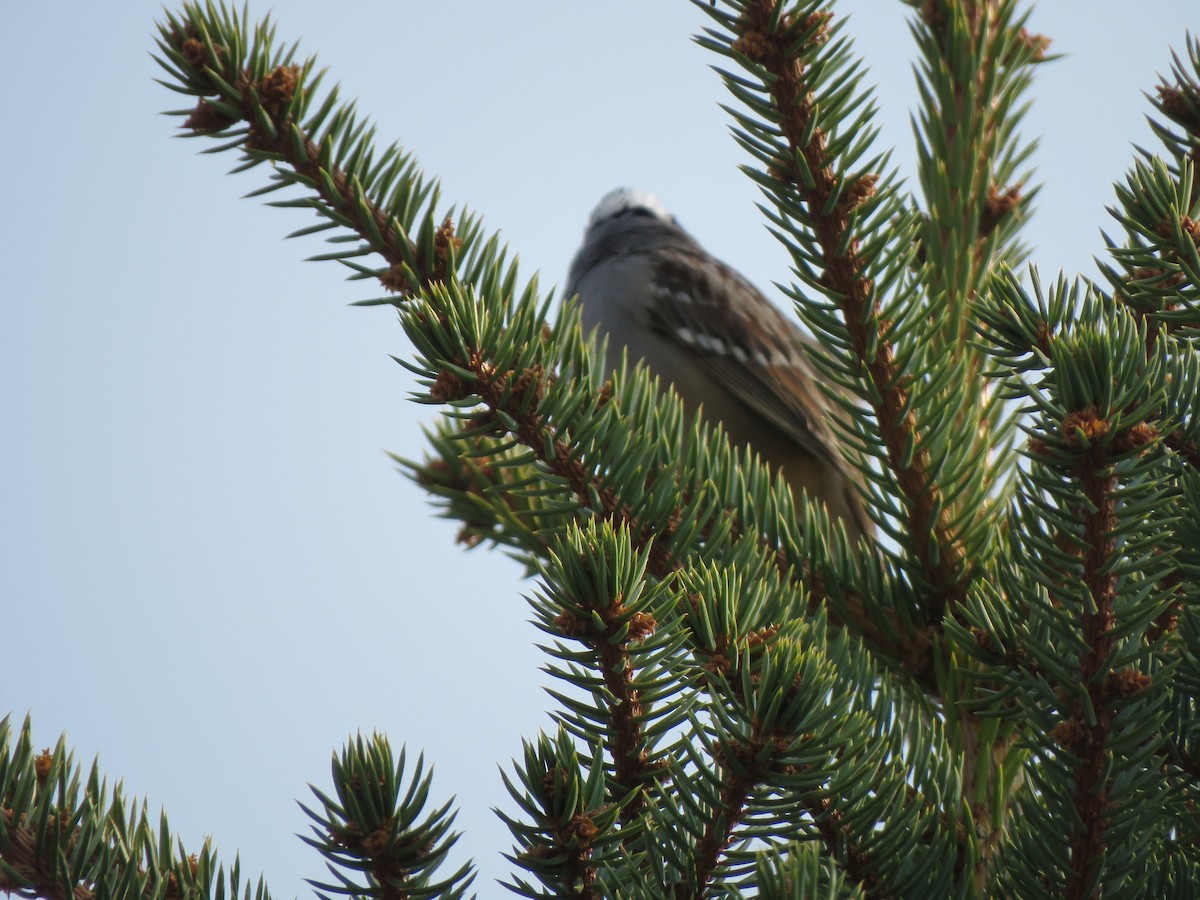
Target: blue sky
[211,574]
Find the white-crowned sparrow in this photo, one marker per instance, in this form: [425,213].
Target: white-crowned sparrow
[698,324]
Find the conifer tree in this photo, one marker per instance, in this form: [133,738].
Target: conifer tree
[994,696]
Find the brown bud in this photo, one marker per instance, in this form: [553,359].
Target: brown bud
[641,626]
[206,119]
[279,85]
[1086,422]
[1137,437]
[752,45]
[42,763]
[448,387]
[1072,735]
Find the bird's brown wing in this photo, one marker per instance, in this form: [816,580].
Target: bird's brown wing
[748,346]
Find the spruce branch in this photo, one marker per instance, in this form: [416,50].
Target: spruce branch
[737,785]
[1177,99]
[571,836]
[255,97]
[596,594]
[513,397]
[375,834]
[825,199]
[1157,271]
[976,62]
[596,597]
[786,728]
[1089,739]
[1100,560]
[801,872]
[69,838]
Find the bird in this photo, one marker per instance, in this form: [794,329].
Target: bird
[695,322]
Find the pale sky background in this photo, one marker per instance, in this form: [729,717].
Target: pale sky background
[211,575]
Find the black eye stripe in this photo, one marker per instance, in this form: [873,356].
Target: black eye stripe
[638,211]
[643,212]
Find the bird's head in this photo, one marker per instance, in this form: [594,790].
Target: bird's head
[629,202]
